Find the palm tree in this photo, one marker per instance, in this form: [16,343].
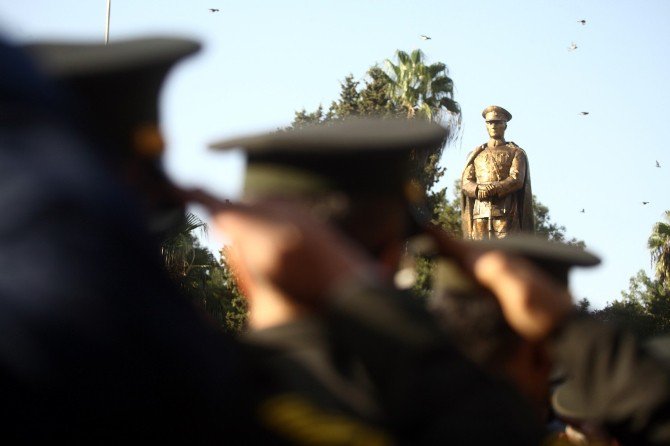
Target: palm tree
[179,249]
[659,244]
[423,90]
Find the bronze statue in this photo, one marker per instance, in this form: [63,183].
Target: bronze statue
[496,197]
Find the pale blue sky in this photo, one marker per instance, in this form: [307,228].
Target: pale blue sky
[262,60]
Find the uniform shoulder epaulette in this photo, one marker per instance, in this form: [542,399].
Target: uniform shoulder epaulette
[514,145]
[476,151]
[477,148]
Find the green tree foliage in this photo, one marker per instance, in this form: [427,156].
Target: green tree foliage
[302,118]
[659,245]
[421,90]
[448,213]
[374,98]
[426,92]
[583,306]
[208,282]
[643,310]
[350,100]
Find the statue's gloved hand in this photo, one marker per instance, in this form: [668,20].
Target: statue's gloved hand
[485,191]
[494,189]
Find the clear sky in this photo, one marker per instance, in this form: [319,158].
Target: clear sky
[262,60]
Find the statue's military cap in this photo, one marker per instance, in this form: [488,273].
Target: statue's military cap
[116,85]
[496,113]
[370,155]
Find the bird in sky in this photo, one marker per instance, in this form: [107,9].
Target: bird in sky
[425,37]
[645,202]
[583,113]
[582,21]
[582,211]
[658,164]
[572,47]
[213,10]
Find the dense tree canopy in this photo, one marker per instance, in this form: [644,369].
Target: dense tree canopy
[644,308]
[659,245]
[419,89]
[201,277]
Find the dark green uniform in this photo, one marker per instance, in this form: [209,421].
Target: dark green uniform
[383,374]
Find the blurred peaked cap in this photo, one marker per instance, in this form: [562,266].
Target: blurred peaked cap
[567,399]
[117,85]
[553,257]
[340,137]
[537,248]
[568,402]
[353,156]
[63,60]
[659,347]
[496,113]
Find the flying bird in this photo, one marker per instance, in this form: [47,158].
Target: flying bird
[658,164]
[583,113]
[582,21]
[213,10]
[425,37]
[572,47]
[582,211]
[645,202]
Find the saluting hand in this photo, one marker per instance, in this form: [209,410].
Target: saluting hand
[286,262]
[533,303]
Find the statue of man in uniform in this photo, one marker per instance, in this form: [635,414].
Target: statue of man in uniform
[496,197]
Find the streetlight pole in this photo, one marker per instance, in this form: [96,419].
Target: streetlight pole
[109,7]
